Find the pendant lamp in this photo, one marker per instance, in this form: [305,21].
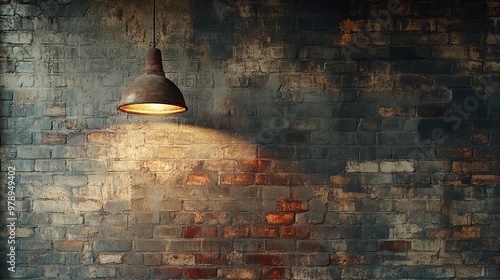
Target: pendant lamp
[152,93]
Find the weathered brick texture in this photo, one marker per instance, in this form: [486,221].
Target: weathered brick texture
[324,140]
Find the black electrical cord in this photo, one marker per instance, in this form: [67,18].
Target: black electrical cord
[153,41]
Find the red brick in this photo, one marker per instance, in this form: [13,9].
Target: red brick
[195,232]
[291,206]
[210,218]
[295,180]
[395,246]
[265,232]
[479,139]
[201,273]
[235,232]
[450,153]
[347,260]
[497,241]
[241,179]
[261,166]
[168,272]
[280,218]
[467,232]
[261,259]
[340,181]
[295,232]
[199,180]
[69,246]
[51,138]
[272,179]
[273,273]
[485,179]
[471,166]
[216,259]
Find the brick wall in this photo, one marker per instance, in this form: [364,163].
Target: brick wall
[324,140]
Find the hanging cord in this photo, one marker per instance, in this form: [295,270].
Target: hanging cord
[153,42]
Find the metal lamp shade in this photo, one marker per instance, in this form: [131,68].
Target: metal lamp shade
[152,93]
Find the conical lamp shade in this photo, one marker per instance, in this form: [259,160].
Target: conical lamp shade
[152,93]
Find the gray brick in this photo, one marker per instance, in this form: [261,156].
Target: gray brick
[376,231]
[150,245]
[183,246]
[106,245]
[363,245]
[279,245]
[103,272]
[312,273]
[16,138]
[20,165]
[50,165]
[314,245]
[6,94]
[273,192]
[249,245]
[29,152]
[343,124]
[312,260]
[433,166]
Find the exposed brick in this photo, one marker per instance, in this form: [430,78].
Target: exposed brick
[264,260]
[387,112]
[292,162]
[433,166]
[196,232]
[110,258]
[178,259]
[235,232]
[237,179]
[428,111]
[347,260]
[467,232]
[51,138]
[395,246]
[465,152]
[397,166]
[150,245]
[199,180]
[210,258]
[264,232]
[295,232]
[261,166]
[273,273]
[280,218]
[273,179]
[200,273]
[291,206]
[236,273]
[485,179]
[112,245]
[470,166]
[340,181]
[455,52]
[69,245]
[366,166]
